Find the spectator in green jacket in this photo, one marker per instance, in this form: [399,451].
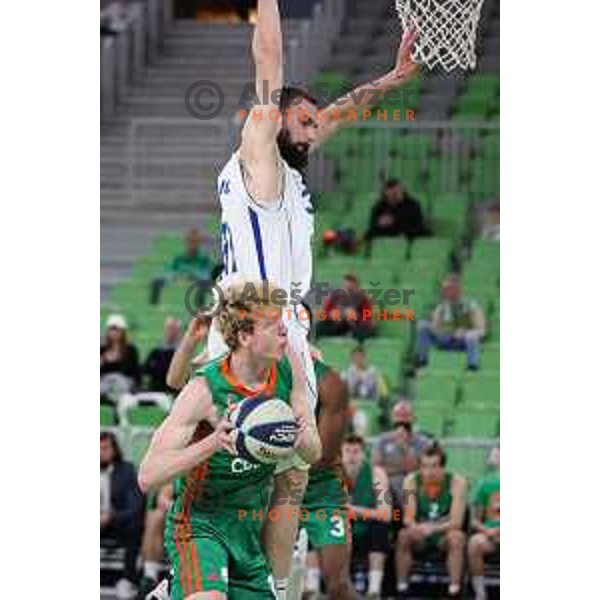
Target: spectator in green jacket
[192,265]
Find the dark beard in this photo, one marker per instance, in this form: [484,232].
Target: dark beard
[295,155]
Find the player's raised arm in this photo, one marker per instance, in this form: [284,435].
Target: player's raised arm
[170,453]
[370,94]
[179,369]
[258,150]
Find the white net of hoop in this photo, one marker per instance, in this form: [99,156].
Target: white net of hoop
[447,31]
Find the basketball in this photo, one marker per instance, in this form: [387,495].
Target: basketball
[266,429]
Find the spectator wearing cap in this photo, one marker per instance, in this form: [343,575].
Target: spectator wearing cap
[363,379]
[347,311]
[457,324]
[121,509]
[159,359]
[119,362]
[192,265]
[398,451]
[397,213]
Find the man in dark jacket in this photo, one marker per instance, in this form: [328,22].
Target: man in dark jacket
[121,507]
[396,214]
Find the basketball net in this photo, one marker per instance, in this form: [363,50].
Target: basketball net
[447,31]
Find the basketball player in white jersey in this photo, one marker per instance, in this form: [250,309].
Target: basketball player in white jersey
[267,219]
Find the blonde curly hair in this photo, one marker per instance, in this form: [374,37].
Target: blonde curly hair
[243,303]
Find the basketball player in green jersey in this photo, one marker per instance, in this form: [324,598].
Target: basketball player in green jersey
[434,502]
[325,500]
[216,555]
[370,510]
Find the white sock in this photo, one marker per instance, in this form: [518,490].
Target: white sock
[402,584]
[281,587]
[152,569]
[375,581]
[453,588]
[313,579]
[479,586]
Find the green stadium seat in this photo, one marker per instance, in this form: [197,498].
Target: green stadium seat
[468,462]
[430,249]
[108,416]
[139,441]
[389,249]
[475,424]
[435,392]
[366,415]
[145,416]
[336,351]
[432,423]
[447,361]
[481,390]
[386,355]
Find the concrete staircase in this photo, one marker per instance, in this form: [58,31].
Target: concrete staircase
[158,162]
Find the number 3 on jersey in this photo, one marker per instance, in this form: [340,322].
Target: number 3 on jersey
[227,250]
[337,526]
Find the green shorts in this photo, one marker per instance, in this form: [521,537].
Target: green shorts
[206,559]
[324,513]
[325,526]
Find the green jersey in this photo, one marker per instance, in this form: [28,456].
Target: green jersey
[487,497]
[434,501]
[225,482]
[362,494]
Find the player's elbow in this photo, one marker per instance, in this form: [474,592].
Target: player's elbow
[146,481]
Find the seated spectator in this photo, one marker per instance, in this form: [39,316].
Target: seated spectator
[119,362]
[435,504]
[153,541]
[363,380]
[348,311]
[396,214]
[159,358]
[193,265]
[485,523]
[121,509]
[457,324]
[370,510]
[397,451]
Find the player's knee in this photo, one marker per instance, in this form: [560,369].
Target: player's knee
[207,596]
[456,539]
[476,546]
[292,479]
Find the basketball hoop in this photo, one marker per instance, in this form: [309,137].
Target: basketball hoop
[447,31]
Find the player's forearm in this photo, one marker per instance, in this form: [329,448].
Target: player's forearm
[162,465]
[180,364]
[369,94]
[267,45]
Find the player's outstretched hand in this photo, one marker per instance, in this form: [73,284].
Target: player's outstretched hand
[406,67]
[197,330]
[225,436]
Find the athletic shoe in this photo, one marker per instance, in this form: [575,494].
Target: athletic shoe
[160,592]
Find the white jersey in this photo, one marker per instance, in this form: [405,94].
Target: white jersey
[273,243]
